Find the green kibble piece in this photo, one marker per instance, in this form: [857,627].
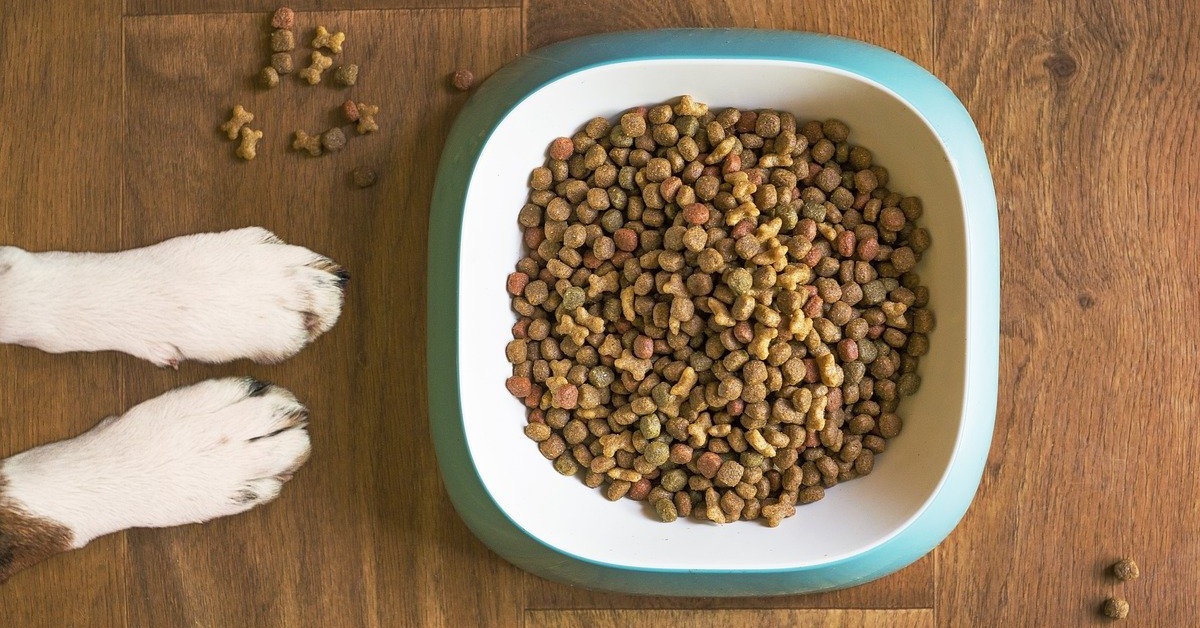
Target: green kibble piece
[657,453]
[666,510]
[687,125]
[601,376]
[650,426]
[572,298]
[674,480]
[565,465]
[739,280]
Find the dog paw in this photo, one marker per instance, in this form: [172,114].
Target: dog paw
[193,454]
[210,297]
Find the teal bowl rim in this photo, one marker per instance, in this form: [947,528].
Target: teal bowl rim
[493,100]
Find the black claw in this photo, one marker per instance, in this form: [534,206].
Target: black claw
[258,387]
[343,277]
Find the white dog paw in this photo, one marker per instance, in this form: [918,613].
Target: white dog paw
[196,453]
[211,297]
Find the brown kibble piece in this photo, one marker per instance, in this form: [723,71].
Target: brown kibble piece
[1116,608]
[284,18]
[282,41]
[463,80]
[248,148]
[366,118]
[708,464]
[237,120]
[346,75]
[363,176]
[322,38]
[333,140]
[305,142]
[1126,569]
[268,77]
[282,62]
[350,110]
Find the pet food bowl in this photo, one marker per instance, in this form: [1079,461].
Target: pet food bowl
[554,526]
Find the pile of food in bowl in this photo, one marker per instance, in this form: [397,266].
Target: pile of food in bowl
[719,311]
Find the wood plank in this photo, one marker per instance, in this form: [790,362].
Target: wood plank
[743,618]
[60,153]
[903,27]
[267,7]
[1082,108]
[363,535]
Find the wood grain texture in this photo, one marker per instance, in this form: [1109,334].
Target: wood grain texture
[60,143]
[1079,106]
[264,8]
[743,618]
[1087,112]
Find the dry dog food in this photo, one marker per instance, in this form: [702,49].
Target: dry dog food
[346,75]
[1116,608]
[350,110]
[320,63]
[363,177]
[331,41]
[284,18]
[308,143]
[282,62]
[333,140]
[719,311]
[1125,569]
[268,77]
[463,80]
[248,148]
[366,118]
[283,40]
[239,118]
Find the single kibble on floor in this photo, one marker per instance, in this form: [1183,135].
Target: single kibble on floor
[248,148]
[1126,569]
[363,176]
[283,40]
[366,118]
[333,140]
[308,143]
[1116,608]
[268,77]
[282,62]
[320,63]
[463,80]
[322,38]
[350,110]
[284,18]
[239,118]
[346,75]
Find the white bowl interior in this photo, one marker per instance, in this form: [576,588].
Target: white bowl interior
[563,513]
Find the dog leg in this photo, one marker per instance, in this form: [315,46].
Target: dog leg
[211,297]
[199,452]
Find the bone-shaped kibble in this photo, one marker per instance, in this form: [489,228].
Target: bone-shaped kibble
[366,118]
[240,118]
[325,39]
[247,150]
[320,63]
[304,141]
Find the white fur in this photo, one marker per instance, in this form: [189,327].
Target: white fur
[190,455]
[212,297]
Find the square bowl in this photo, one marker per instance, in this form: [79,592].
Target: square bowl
[554,526]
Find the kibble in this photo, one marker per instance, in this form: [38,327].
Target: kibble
[705,319]
[310,144]
[363,176]
[462,80]
[333,140]
[282,62]
[366,118]
[1125,569]
[283,40]
[248,148]
[322,38]
[239,118]
[1116,608]
[346,75]
[283,18]
[320,63]
[268,77]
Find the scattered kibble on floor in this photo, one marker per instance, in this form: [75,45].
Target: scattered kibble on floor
[364,177]
[237,120]
[248,148]
[1126,569]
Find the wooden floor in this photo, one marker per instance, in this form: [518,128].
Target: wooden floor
[1088,111]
